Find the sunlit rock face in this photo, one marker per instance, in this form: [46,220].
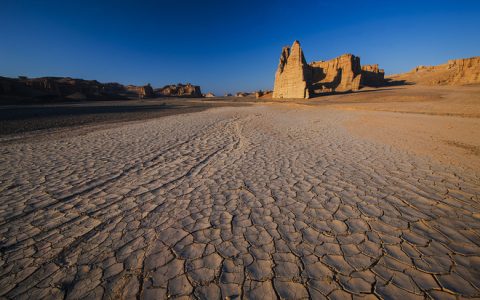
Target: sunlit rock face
[297,79]
[454,72]
[291,77]
[340,74]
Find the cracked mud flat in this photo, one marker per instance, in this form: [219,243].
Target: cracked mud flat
[259,202]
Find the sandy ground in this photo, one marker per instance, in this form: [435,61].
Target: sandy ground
[440,122]
[16,119]
[332,197]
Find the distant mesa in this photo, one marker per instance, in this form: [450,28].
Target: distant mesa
[50,89]
[454,72]
[297,79]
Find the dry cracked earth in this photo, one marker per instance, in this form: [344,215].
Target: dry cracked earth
[257,202]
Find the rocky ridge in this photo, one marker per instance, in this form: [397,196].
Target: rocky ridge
[48,89]
[454,72]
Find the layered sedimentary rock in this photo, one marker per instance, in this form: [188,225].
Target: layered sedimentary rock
[297,79]
[179,90]
[454,72]
[292,74]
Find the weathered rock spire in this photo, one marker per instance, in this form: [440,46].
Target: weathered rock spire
[291,76]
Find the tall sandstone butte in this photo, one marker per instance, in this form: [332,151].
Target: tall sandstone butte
[297,79]
[291,77]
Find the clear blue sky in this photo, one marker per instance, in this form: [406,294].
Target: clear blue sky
[222,45]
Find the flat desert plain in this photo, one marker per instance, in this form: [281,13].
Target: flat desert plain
[370,194]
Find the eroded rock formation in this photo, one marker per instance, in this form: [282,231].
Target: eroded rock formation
[57,88]
[145,91]
[292,74]
[179,90]
[372,75]
[340,74]
[297,79]
[65,88]
[454,72]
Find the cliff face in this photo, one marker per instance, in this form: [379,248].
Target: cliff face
[337,75]
[464,71]
[297,79]
[454,72]
[63,88]
[292,74]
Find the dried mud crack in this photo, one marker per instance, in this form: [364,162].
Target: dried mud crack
[255,202]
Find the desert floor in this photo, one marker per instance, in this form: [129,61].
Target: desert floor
[371,194]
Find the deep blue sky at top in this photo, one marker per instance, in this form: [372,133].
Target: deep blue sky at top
[222,45]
